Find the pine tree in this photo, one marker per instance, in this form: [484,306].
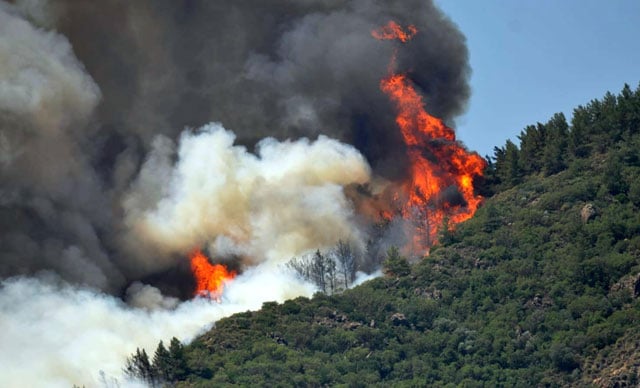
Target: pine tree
[629,107]
[177,365]
[553,155]
[395,264]
[579,143]
[508,165]
[162,362]
[532,140]
[138,367]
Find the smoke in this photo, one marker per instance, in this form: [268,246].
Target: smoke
[284,200]
[51,204]
[285,68]
[57,335]
[92,106]
[102,185]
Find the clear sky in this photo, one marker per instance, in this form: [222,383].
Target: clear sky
[531,59]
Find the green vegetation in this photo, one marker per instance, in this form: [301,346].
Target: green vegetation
[539,288]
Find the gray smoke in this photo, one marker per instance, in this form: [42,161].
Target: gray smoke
[52,206]
[279,68]
[86,88]
[105,186]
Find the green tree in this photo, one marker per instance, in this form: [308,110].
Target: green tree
[492,220]
[447,233]
[629,107]
[177,367]
[612,177]
[162,362]
[395,264]
[577,142]
[138,367]
[507,164]
[532,141]
[555,147]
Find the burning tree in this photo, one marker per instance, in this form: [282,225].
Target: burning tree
[210,278]
[439,164]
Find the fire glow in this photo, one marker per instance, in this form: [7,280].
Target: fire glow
[210,278]
[438,164]
[393,31]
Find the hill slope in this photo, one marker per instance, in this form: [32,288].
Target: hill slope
[539,288]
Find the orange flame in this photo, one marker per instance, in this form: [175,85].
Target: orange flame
[210,278]
[393,31]
[438,162]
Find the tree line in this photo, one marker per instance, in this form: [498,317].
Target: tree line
[551,147]
[167,365]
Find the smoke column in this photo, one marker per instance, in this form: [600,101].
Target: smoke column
[134,132]
[285,199]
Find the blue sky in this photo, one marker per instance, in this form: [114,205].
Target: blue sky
[531,59]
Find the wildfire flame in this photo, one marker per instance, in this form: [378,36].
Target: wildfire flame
[210,278]
[393,31]
[438,162]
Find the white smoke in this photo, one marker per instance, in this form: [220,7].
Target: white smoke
[284,200]
[56,335]
[362,277]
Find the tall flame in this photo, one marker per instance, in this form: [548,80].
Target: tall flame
[210,278]
[438,162]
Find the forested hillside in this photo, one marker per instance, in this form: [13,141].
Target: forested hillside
[539,288]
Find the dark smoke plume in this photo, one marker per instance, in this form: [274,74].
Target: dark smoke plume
[88,86]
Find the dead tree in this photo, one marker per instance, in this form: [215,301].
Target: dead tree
[346,261]
[319,269]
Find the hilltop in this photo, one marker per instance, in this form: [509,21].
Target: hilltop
[539,288]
